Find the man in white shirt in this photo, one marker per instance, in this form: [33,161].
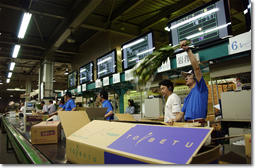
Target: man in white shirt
[21,110]
[44,108]
[51,107]
[173,104]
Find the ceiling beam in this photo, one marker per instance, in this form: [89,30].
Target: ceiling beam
[53,15]
[73,22]
[124,9]
[168,11]
[23,44]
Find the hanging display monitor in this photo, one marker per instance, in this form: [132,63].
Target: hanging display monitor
[72,80]
[208,23]
[136,49]
[86,73]
[106,64]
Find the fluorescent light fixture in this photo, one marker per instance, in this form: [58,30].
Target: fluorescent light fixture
[245,11]
[208,31]
[9,74]
[15,51]
[12,66]
[16,89]
[83,78]
[167,29]
[66,72]
[1,82]
[58,90]
[24,24]
[104,60]
[134,43]
[249,6]
[11,95]
[146,51]
[102,71]
[194,18]
[83,70]
[7,80]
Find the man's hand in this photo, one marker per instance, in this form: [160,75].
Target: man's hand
[161,117]
[171,122]
[183,45]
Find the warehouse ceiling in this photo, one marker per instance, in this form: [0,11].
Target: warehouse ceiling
[54,21]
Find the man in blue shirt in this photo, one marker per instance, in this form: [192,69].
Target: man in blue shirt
[69,105]
[103,98]
[195,104]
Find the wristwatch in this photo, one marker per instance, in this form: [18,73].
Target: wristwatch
[187,49]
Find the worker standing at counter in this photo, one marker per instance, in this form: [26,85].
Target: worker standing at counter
[51,107]
[22,108]
[62,102]
[103,98]
[44,108]
[69,105]
[173,105]
[195,104]
[131,107]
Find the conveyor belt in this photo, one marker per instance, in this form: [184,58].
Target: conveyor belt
[20,138]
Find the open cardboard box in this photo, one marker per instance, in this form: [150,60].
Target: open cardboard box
[247,139]
[125,117]
[129,118]
[104,142]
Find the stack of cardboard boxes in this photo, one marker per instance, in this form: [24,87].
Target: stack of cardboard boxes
[221,88]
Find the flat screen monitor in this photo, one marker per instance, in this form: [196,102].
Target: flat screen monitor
[210,22]
[86,73]
[106,64]
[30,104]
[136,49]
[72,80]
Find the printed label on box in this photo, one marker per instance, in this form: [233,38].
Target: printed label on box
[48,133]
[169,146]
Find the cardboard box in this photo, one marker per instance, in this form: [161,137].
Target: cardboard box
[247,139]
[125,117]
[152,119]
[46,132]
[104,142]
[209,118]
[36,118]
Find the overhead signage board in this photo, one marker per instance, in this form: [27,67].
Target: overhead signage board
[240,43]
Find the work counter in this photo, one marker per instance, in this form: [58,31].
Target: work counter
[19,139]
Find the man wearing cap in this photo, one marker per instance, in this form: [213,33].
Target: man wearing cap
[173,103]
[103,98]
[44,108]
[195,104]
[69,105]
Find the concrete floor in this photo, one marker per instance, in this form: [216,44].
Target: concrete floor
[6,158]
